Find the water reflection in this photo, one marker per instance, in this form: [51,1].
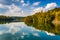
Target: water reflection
[20,31]
[3,22]
[46,27]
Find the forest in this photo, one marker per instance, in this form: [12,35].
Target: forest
[8,19]
[44,17]
[43,21]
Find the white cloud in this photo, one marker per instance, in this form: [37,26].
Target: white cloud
[36,3]
[1,5]
[49,6]
[13,10]
[38,9]
[23,3]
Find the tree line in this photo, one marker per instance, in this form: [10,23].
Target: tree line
[44,17]
[43,21]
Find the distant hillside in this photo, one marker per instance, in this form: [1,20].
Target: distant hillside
[10,19]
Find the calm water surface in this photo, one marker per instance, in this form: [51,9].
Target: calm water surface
[20,31]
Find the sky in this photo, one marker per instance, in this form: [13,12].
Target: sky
[26,7]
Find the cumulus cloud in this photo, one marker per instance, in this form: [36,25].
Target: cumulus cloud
[23,3]
[49,6]
[13,10]
[1,5]
[36,3]
[38,9]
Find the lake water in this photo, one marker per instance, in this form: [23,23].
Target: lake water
[20,31]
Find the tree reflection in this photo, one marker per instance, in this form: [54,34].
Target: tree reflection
[46,27]
[4,22]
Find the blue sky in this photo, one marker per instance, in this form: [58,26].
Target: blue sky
[26,7]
